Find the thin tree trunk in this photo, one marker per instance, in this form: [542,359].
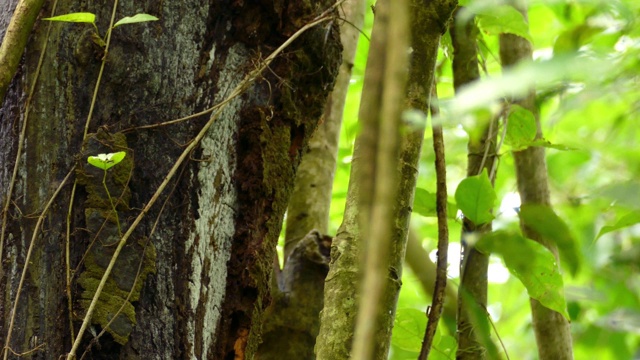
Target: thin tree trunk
[212,235]
[553,332]
[481,155]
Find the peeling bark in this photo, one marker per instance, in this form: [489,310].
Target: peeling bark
[218,225]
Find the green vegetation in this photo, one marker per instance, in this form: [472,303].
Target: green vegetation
[585,71]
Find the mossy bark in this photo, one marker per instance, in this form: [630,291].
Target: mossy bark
[214,232]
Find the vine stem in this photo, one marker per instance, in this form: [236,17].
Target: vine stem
[443,230]
[28,258]
[113,207]
[249,78]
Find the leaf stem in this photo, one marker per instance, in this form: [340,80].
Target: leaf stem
[113,206]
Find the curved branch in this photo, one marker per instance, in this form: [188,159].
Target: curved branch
[15,40]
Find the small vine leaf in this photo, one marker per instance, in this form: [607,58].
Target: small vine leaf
[135,19]
[106,161]
[475,197]
[79,17]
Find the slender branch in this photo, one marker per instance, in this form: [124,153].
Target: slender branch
[102,65]
[443,230]
[113,206]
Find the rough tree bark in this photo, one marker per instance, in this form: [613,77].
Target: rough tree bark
[218,225]
[552,330]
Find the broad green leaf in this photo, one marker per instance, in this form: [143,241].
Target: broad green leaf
[572,39]
[532,264]
[547,223]
[626,193]
[521,127]
[629,219]
[135,19]
[424,203]
[106,161]
[517,81]
[408,329]
[502,19]
[80,17]
[475,197]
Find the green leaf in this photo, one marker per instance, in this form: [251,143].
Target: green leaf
[106,161]
[135,19]
[547,144]
[532,264]
[571,40]
[547,223]
[408,329]
[501,19]
[79,17]
[629,219]
[626,193]
[521,127]
[475,196]
[445,349]
[424,203]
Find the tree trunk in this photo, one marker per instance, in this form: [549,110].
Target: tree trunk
[213,238]
[552,330]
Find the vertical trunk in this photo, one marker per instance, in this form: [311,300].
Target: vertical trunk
[553,332]
[214,235]
[481,155]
